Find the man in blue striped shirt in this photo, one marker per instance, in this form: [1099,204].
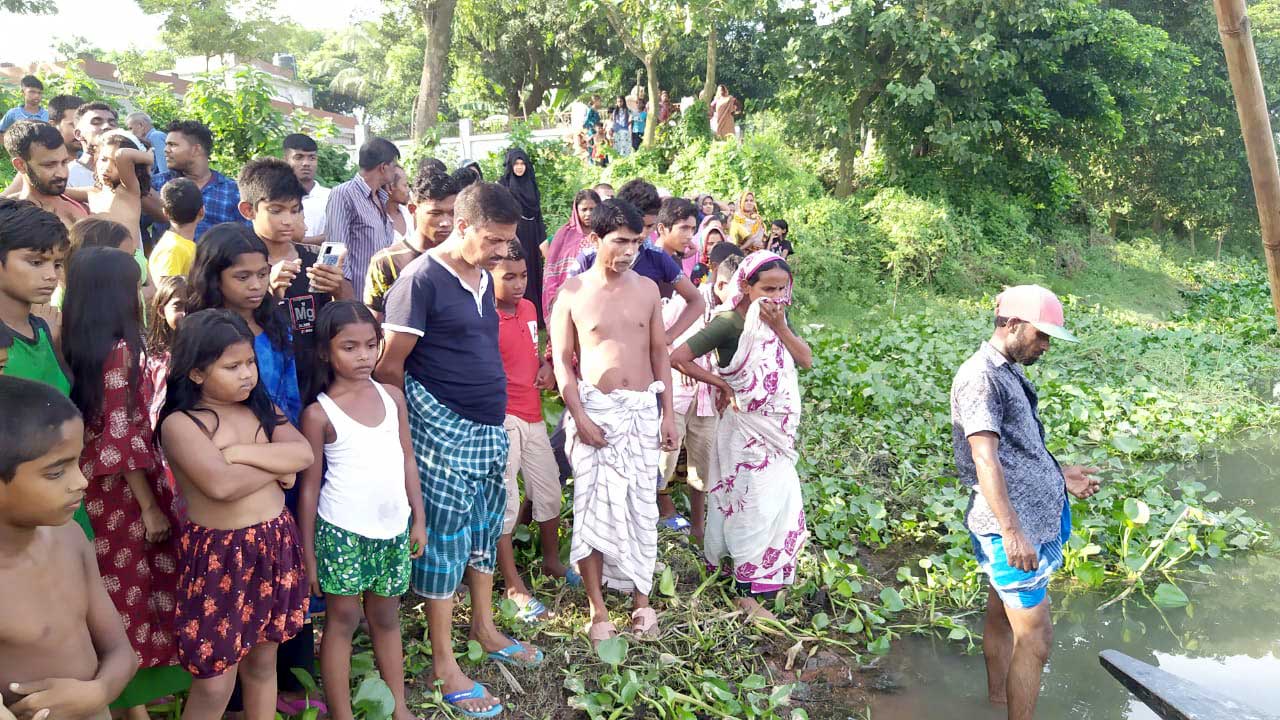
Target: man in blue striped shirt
[357,212]
[187,149]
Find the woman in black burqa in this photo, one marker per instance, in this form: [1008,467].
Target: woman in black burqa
[521,180]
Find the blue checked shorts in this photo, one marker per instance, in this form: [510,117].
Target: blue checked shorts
[460,465]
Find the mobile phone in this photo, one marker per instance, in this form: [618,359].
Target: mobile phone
[330,252]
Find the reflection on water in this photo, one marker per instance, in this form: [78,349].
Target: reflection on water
[1227,639]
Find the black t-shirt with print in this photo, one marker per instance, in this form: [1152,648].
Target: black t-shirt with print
[303,307]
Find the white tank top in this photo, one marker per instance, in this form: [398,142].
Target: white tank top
[363,489]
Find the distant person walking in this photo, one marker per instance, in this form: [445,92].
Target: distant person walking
[723,107]
[357,212]
[522,181]
[32,94]
[1019,516]
[140,125]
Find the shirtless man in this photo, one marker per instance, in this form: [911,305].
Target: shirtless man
[63,648]
[608,320]
[39,154]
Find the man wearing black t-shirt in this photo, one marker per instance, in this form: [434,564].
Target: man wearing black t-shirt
[441,328]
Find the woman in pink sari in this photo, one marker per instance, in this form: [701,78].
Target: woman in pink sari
[755,513]
[561,252]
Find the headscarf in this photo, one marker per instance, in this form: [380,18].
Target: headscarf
[523,187]
[751,225]
[749,265]
[697,206]
[562,255]
[709,223]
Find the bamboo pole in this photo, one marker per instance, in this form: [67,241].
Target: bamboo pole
[1255,126]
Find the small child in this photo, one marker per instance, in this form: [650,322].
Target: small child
[130,501]
[176,250]
[168,308]
[600,148]
[778,243]
[242,586]
[362,526]
[609,320]
[63,649]
[122,169]
[530,454]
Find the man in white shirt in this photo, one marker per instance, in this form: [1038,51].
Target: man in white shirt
[301,152]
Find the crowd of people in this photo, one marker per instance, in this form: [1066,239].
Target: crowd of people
[620,130]
[261,399]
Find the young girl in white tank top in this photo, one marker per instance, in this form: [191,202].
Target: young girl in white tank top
[362,525]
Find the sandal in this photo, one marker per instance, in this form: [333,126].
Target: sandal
[601,631]
[677,523]
[533,612]
[572,578]
[510,655]
[477,692]
[644,623]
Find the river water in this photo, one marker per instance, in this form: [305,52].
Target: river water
[1228,638]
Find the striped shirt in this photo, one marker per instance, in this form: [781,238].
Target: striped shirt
[357,217]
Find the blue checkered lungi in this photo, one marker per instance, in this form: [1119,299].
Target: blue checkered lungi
[460,466]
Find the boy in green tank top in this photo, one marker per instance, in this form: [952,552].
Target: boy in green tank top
[32,242]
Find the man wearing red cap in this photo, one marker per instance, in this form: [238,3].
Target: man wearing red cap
[1018,515]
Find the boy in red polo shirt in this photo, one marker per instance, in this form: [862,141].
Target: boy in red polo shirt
[530,455]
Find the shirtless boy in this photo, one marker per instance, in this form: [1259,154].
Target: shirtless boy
[64,654]
[608,320]
[39,154]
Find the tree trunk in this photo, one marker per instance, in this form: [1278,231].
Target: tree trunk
[709,87]
[847,146]
[1255,126]
[651,71]
[437,18]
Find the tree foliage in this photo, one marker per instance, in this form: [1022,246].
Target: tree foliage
[211,28]
[509,54]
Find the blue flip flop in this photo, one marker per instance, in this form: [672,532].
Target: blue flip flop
[477,692]
[533,611]
[508,655]
[677,523]
[572,578]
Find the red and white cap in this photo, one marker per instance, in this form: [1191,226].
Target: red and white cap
[1036,305]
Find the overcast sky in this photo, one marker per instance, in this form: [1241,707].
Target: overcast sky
[118,24]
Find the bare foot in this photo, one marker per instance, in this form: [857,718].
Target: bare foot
[754,610]
[456,681]
[554,569]
[998,700]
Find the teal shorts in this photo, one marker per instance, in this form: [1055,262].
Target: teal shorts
[351,564]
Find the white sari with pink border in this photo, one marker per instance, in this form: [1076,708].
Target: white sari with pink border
[756,513]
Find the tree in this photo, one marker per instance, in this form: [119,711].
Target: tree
[28,7]
[371,69]
[215,28]
[646,29]
[437,19]
[515,51]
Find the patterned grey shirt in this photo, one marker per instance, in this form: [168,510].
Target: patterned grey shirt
[991,394]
